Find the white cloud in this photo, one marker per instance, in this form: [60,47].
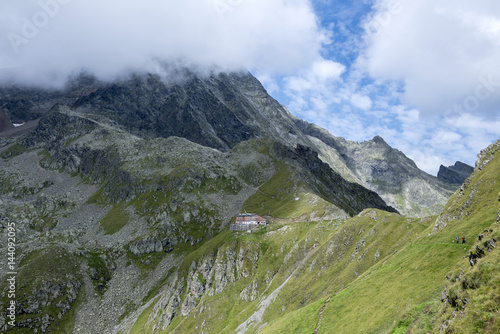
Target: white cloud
[50,38]
[268,81]
[441,50]
[323,70]
[427,80]
[361,101]
[311,91]
[427,161]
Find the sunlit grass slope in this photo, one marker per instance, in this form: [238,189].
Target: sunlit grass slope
[408,284]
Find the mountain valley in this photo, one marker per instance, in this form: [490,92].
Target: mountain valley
[121,194]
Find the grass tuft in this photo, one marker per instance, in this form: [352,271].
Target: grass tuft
[115,219]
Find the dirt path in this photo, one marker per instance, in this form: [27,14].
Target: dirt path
[320,315]
[256,317]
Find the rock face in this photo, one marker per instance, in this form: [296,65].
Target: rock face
[209,276]
[455,174]
[61,295]
[218,110]
[151,245]
[22,104]
[383,169]
[5,122]
[351,197]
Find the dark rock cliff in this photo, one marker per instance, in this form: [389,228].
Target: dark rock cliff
[217,111]
[351,197]
[455,174]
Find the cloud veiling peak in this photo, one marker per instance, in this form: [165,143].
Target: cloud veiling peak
[49,39]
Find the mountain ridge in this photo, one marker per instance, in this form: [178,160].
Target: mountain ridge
[240,109]
[386,171]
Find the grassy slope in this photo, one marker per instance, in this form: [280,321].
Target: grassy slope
[269,259]
[284,196]
[376,292]
[330,265]
[49,266]
[399,288]
[396,293]
[115,219]
[480,285]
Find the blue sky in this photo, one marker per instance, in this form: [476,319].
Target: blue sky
[424,75]
[407,72]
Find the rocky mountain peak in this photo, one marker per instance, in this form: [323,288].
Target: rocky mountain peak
[218,110]
[379,140]
[123,193]
[455,174]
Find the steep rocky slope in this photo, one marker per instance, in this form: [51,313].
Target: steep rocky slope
[379,167]
[218,110]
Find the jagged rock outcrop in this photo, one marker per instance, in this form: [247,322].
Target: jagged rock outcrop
[250,293]
[152,245]
[209,276]
[486,156]
[224,272]
[480,251]
[166,308]
[195,290]
[455,174]
[58,295]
